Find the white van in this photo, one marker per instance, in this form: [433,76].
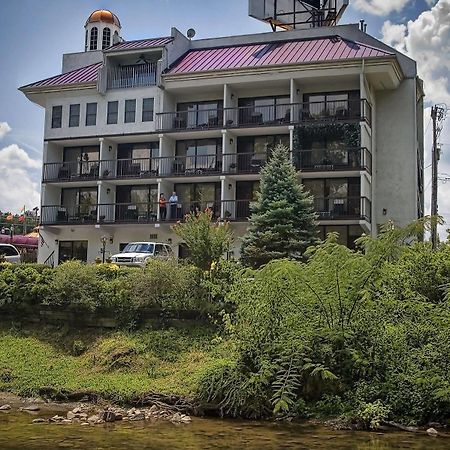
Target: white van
[9,253]
[138,253]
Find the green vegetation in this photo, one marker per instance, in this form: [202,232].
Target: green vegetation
[119,366]
[364,334]
[167,285]
[206,240]
[282,220]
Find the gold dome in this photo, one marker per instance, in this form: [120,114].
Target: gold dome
[103,15]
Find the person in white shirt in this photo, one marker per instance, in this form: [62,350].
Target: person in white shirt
[173,202]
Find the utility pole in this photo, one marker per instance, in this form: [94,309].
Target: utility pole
[438,114]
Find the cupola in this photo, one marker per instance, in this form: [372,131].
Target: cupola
[102,30]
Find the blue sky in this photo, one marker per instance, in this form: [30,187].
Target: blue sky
[35,34]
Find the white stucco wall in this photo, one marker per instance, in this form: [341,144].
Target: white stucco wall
[396,154]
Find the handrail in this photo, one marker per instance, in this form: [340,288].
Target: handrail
[260,115]
[132,76]
[50,261]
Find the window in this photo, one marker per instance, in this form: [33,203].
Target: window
[253,152]
[335,197]
[94,38]
[198,156]
[86,41]
[106,41]
[113,112]
[130,111]
[80,162]
[6,250]
[74,116]
[264,110]
[138,160]
[334,104]
[147,110]
[91,114]
[347,234]
[198,196]
[56,116]
[200,114]
[136,203]
[73,250]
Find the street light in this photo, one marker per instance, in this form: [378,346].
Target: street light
[104,240]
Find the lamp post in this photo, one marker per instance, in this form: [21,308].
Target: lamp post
[104,240]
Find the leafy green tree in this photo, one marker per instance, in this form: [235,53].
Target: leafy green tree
[282,224]
[206,240]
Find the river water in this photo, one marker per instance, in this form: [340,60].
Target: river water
[17,432]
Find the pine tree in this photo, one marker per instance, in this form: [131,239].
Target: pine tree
[282,223]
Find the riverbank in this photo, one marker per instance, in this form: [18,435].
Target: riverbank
[58,363]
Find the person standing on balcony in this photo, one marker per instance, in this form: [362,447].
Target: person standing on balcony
[162,207]
[173,201]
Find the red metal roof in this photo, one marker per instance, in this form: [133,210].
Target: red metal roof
[274,53]
[142,43]
[88,74]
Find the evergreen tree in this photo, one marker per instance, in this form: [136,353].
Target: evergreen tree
[282,223]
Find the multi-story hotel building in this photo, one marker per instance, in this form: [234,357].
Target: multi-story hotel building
[127,121]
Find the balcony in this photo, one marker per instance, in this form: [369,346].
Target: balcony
[68,215]
[343,208]
[331,160]
[327,209]
[244,163]
[134,213]
[267,115]
[131,76]
[205,119]
[71,171]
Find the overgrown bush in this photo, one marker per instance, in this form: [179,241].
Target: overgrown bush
[23,284]
[166,284]
[371,329]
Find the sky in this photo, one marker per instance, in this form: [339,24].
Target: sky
[34,34]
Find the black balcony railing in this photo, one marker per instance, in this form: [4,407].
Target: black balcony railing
[71,171]
[245,116]
[336,110]
[75,214]
[244,163]
[322,160]
[337,208]
[151,212]
[132,76]
[190,120]
[267,115]
[128,212]
[236,210]
[327,208]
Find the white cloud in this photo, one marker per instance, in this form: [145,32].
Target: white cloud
[17,181]
[4,129]
[380,7]
[427,41]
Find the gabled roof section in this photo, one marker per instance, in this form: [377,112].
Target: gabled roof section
[333,48]
[140,44]
[84,75]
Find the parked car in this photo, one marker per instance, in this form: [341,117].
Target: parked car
[9,253]
[138,253]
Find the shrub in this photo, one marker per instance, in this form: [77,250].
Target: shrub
[166,284]
[76,284]
[206,240]
[24,284]
[372,415]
